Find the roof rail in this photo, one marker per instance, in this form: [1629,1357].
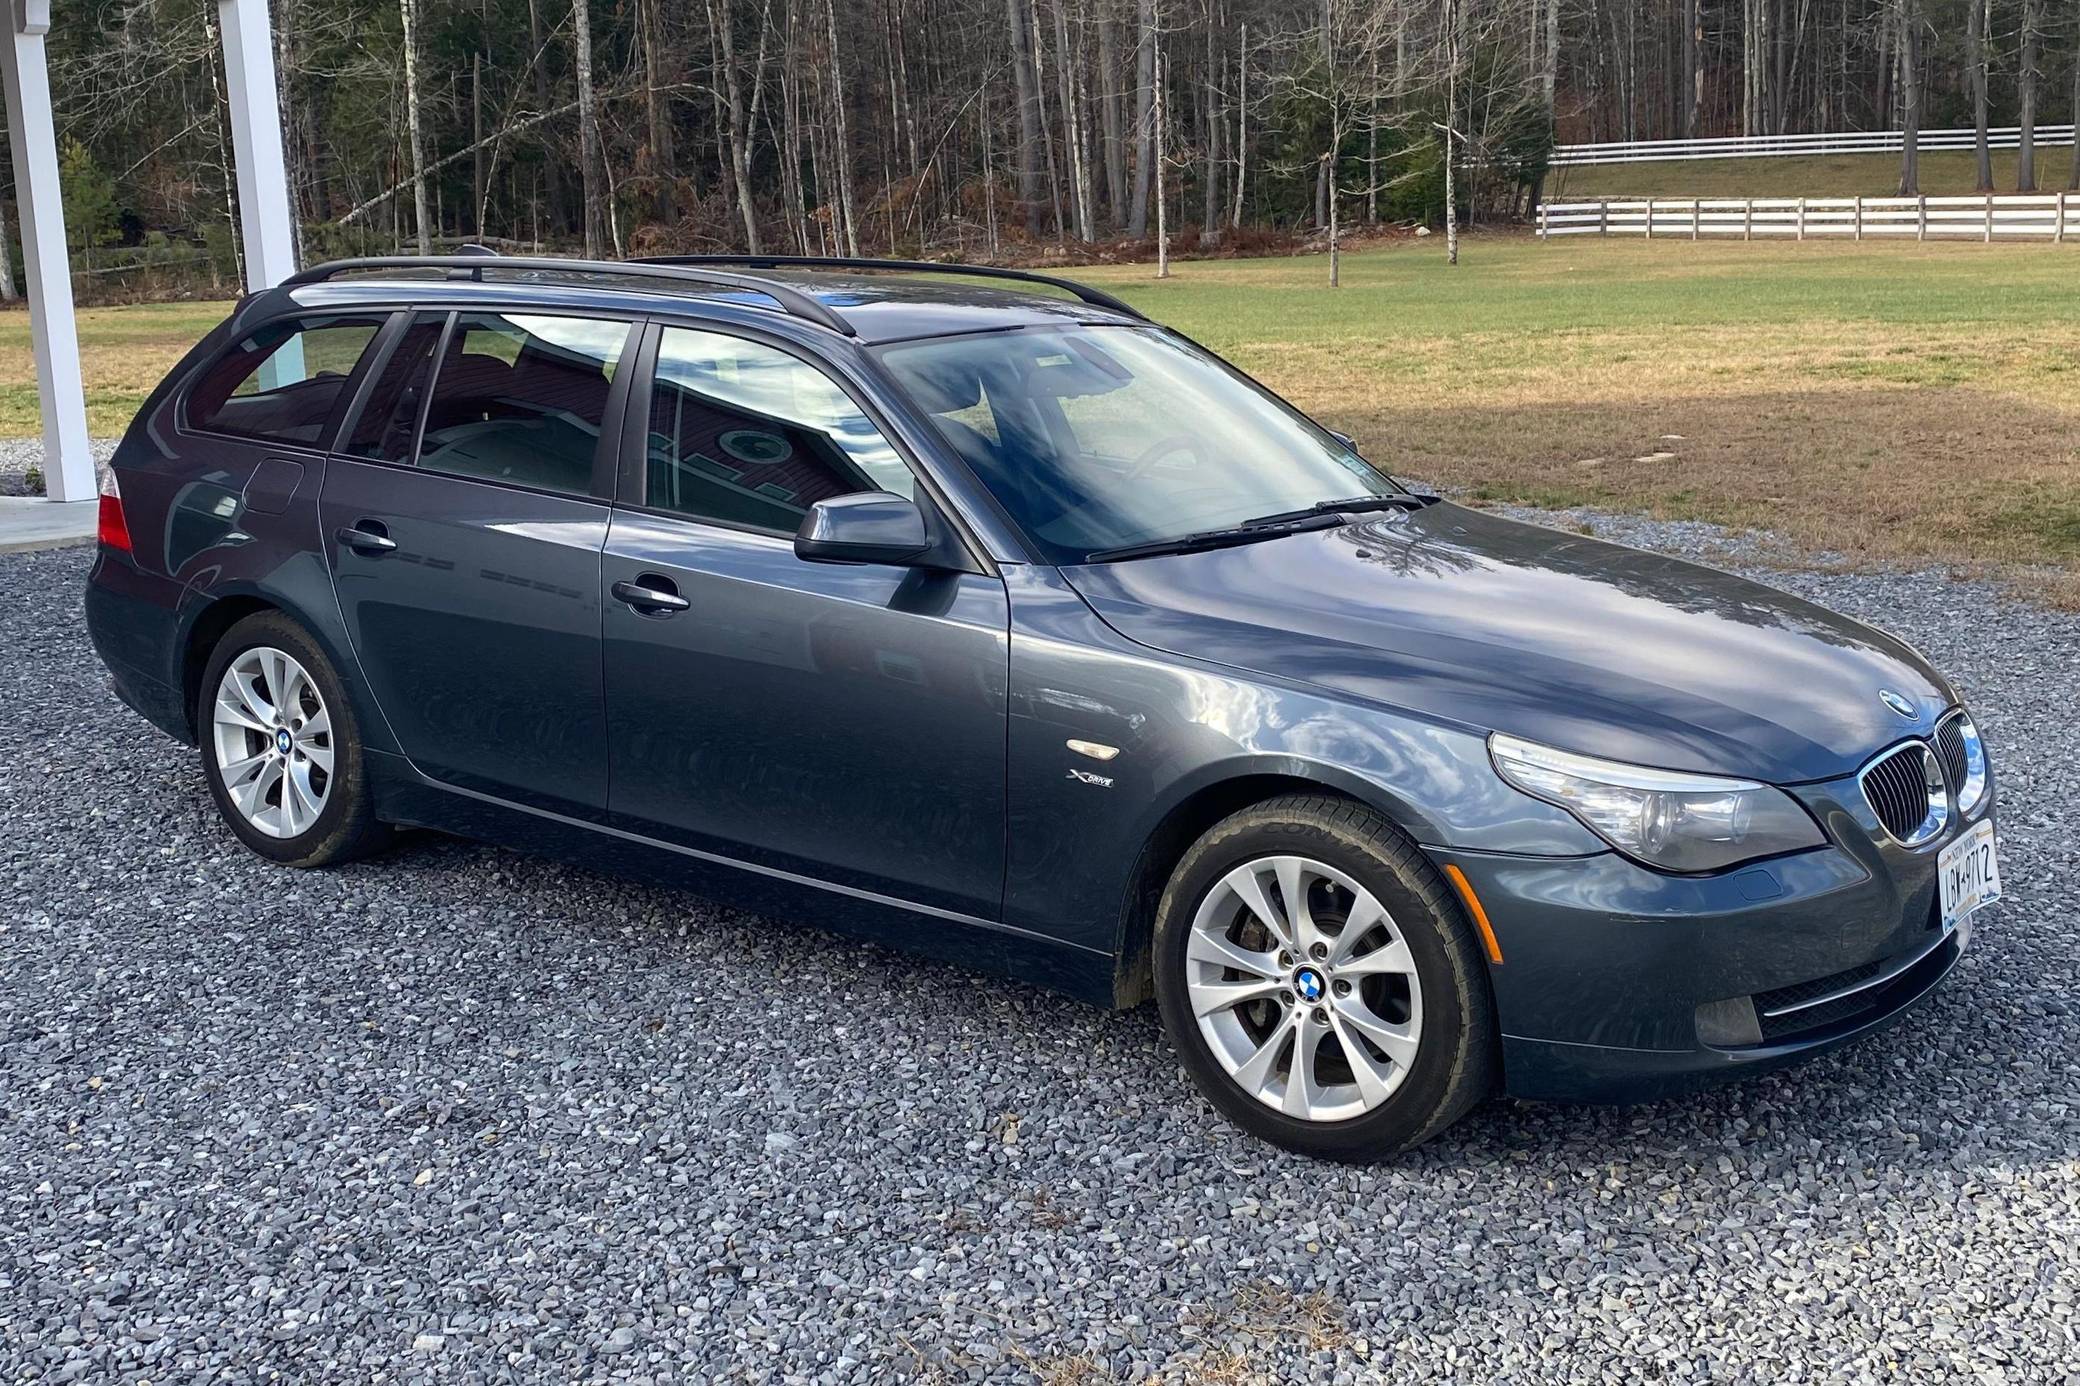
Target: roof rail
[471,266]
[1096,297]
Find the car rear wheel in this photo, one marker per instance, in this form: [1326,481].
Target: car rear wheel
[1321,983]
[280,749]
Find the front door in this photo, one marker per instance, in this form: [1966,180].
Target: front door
[464,518]
[842,722]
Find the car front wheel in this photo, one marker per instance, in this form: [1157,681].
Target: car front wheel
[1320,983]
[280,748]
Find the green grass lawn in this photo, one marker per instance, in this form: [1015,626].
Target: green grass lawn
[1880,401]
[1943,172]
[124,352]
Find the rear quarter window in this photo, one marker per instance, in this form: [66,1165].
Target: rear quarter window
[283,382]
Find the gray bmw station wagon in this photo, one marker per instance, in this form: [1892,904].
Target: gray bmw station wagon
[971,611]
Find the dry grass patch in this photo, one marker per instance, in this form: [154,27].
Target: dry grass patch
[1958,448]
[1905,405]
[124,352]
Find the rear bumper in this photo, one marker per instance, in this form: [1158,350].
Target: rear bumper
[1621,984]
[130,619]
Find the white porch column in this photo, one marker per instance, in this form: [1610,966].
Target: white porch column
[256,141]
[68,468]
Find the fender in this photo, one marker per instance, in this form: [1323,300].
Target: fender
[1181,730]
[300,587]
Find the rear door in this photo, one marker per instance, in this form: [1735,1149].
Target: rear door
[842,722]
[464,514]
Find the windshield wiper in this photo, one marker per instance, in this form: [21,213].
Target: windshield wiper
[1349,505]
[1266,527]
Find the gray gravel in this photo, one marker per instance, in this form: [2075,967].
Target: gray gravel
[18,455]
[458,1114]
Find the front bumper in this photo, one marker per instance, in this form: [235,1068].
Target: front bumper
[1622,984]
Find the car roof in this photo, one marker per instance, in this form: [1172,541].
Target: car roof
[894,307]
[869,306]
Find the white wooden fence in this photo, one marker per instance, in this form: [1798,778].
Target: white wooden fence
[1768,146]
[2045,216]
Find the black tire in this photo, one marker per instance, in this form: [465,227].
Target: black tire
[346,825]
[1455,1064]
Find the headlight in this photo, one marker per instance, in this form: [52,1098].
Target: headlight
[1673,821]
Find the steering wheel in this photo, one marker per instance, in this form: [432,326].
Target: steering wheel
[1144,462]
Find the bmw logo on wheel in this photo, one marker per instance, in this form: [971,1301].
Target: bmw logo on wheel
[1308,983]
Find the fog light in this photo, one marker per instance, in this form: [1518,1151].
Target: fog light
[1729,1024]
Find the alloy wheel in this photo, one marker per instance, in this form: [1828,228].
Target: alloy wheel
[1303,988]
[272,737]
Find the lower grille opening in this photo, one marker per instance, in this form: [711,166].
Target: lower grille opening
[1857,1006]
[1802,992]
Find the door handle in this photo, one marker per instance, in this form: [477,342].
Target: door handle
[366,536]
[655,597]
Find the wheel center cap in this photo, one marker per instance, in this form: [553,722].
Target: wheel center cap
[1309,984]
[282,740]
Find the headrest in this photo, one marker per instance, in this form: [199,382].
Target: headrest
[475,373]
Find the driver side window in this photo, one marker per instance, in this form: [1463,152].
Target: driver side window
[745,434]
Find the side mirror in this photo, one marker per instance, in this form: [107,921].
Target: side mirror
[871,527]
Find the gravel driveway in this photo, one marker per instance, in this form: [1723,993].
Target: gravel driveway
[18,455]
[458,1114]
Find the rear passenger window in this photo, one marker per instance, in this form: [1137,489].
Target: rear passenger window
[282,382]
[746,434]
[522,398]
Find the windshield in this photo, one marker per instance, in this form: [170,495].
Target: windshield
[1096,438]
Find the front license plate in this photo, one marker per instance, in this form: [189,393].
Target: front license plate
[1969,873]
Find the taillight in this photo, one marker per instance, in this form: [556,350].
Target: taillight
[112,529]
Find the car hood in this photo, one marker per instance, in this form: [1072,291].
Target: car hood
[1502,626]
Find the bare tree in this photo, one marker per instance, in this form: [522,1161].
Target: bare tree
[1144,115]
[1241,126]
[657,108]
[841,154]
[8,292]
[1975,49]
[538,70]
[739,120]
[1909,18]
[1455,14]
[1158,152]
[1111,116]
[1028,86]
[223,142]
[407,15]
[2026,96]
[1054,181]
[2073,183]
[1211,118]
[1549,74]
[591,167]
[1691,73]
[1072,117]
